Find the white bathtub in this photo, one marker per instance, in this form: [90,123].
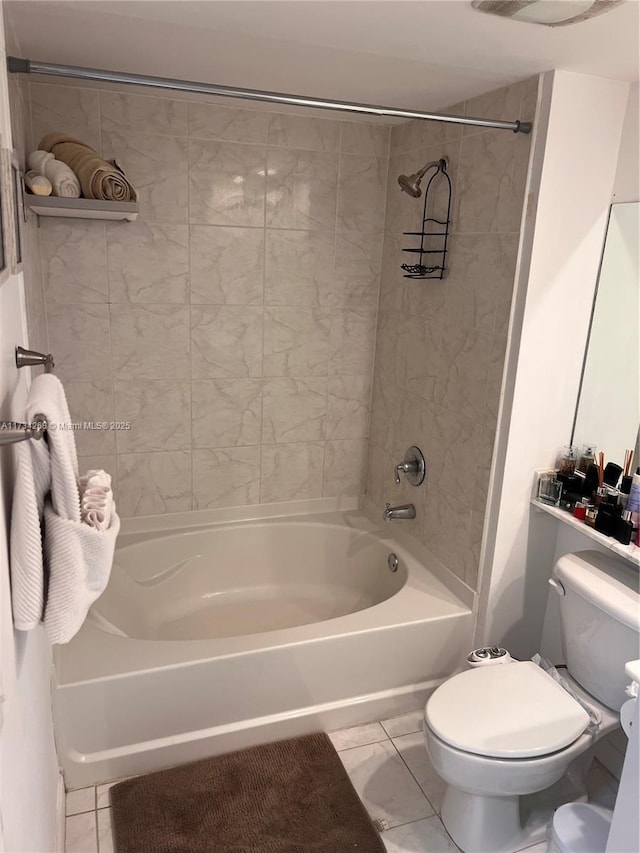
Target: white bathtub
[215,634]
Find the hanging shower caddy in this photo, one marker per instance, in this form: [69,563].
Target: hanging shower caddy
[434,234]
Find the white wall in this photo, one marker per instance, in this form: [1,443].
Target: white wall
[571,184]
[28,763]
[627,182]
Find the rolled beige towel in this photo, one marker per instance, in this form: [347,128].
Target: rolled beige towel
[38,184]
[63,180]
[37,159]
[98,178]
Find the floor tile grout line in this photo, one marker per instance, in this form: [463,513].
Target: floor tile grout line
[360,745]
[435,811]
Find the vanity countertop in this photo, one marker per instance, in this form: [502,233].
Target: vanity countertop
[629,552]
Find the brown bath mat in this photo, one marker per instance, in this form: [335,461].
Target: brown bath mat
[288,797]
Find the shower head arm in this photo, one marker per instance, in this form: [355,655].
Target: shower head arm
[436,164]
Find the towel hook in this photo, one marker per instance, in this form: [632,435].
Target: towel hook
[12,432]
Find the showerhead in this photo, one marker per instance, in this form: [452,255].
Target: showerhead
[410,184]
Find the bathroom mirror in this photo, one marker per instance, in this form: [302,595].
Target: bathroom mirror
[608,406]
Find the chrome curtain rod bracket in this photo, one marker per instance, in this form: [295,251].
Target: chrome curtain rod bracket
[31,358]
[16,65]
[12,432]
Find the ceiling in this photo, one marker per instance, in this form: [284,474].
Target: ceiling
[425,54]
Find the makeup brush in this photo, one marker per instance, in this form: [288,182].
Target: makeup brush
[601,468]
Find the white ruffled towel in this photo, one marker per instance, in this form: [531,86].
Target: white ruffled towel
[77,554]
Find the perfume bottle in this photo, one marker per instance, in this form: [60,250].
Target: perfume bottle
[587,457]
[567,461]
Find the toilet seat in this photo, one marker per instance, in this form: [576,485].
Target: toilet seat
[510,711]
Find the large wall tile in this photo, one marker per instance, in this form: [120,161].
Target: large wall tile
[357,270]
[369,140]
[226,412]
[150,341]
[148,262]
[229,477]
[294,410]
[122,111]
[210,121]
[464,365]
[227,265]
[447,524]
[344,467]
[226,341]
[419,356]
[474,272]
[226,183]
[505,282]
[484,201]
[159,413]
[454,455]
[352,341]
[296,341]
[65,109]
[79,340]
[74,260]
[299,267]
[91,402]
[348,406]
[291,472]
[156,165]
[153,483]
[361,192]
[301,189]
[315,134]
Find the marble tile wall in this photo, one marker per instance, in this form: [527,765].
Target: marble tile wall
[441,345]
[234,323]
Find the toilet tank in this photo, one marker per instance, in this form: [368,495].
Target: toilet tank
[600,621]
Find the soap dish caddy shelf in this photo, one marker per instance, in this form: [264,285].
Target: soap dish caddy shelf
[432,256]
[81,208]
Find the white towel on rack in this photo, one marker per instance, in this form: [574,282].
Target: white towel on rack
[37,159]
[77,556]
[64,181]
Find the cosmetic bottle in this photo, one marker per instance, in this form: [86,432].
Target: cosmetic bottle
[612,474]
[590,515]
[633,505]
[601,495]
[591,481]
[604,520]
[580,510]
[587,457]
[567,461]
[625,488]
[623,530]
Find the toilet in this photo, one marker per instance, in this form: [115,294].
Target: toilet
[510,742]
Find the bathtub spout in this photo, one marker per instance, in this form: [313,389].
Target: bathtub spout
[405,511]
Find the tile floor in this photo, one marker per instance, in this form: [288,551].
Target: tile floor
[389,768]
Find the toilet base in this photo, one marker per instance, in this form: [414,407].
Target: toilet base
[483,824]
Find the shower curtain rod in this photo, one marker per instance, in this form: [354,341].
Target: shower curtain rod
[28,66]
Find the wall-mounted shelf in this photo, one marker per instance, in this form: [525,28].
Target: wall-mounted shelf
[629,552]
[81,208]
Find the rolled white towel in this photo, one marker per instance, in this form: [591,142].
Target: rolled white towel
[38,184]
[95,477]
[64,181]
[37,159]
[97,507]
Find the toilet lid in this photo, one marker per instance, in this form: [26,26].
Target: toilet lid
[512,711]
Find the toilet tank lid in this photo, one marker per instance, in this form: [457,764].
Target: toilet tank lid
[607,583]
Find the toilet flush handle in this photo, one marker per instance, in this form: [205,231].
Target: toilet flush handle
[555,583]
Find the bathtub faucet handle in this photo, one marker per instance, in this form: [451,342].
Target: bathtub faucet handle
[412,466]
